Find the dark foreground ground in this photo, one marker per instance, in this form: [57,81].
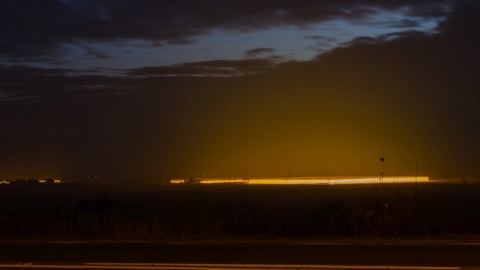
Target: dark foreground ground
[358,253]
[74,224]
[225,212]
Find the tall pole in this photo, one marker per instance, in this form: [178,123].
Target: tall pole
[382,160]
[416,175]
[416,172]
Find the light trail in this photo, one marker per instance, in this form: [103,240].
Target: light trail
[174,266]
[286,266]
[306,180]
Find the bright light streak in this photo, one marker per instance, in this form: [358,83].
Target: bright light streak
[177,181]
[306,180]
[41,181]
[180,266]
[224,181]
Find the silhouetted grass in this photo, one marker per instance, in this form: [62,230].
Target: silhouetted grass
[237,212]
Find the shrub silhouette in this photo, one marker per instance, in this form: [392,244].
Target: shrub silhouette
[98,216]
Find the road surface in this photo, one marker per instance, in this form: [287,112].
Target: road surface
[246,255]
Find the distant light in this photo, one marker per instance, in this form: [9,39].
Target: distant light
[177,181]
[224,181]
[57,181]
[306,180]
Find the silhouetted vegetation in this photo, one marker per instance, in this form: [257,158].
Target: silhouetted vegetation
[239,212]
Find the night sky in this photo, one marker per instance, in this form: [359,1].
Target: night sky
[143,89]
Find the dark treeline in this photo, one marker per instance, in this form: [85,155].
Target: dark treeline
[197,213]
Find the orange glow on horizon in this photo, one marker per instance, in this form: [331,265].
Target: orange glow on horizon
[177,181]
[306,180]
[41,181]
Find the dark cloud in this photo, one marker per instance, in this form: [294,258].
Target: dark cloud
[320,38]
[431,9]
[406,23]
[360,40]
[95,53]
[34,84]
[37,30]
[7,97]
[258,51]
[26,83]
[25,71]
[463,21]
[321,43]
[19,73]
[385,38]
[208,68]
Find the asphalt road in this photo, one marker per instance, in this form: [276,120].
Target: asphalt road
[373,254]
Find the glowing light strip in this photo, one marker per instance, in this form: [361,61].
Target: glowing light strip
[224,181]
[307,180]
[177,181]
[219,266]
[41,181]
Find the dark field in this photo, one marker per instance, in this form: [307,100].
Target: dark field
[219,212]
